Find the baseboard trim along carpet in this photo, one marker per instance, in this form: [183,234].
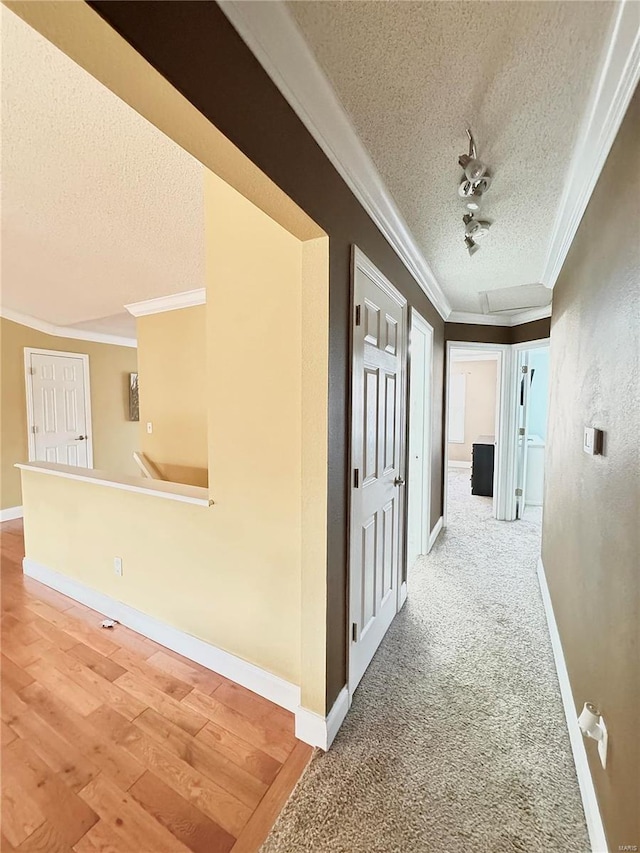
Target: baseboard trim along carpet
[595,826]
[10,513]
[318,730]
[435,533]
[310,727]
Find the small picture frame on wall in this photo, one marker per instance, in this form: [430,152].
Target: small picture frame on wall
[134,398]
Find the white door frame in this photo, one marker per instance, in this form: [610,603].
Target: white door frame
[541,343]
[505,418]
[426,398]
[31,441]
[360,261]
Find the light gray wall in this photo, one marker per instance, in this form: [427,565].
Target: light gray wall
[591,524]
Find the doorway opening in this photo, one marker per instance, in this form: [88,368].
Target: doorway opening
[476,440]
[496,425]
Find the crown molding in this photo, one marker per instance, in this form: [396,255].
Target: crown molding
[186,299]
[66,331]
[273,37]
[612,91]
[508,320]
[275,40]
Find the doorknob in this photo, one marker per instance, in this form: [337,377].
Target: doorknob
[398,481]
[81,437]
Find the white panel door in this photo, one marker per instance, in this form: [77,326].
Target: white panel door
[377,500]
[523,433]
[57,403]
[419,456]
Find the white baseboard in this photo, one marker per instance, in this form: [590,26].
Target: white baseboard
[456,464]
[595,827]
[403,594]
[252,677]
[10,513]
[310,727]
[435,533]
[320,731]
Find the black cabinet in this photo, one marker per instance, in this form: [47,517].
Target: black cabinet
[482,461]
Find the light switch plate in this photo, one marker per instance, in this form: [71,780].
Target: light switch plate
[592,441]
[149,427]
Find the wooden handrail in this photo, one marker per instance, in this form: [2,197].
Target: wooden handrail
[146,466]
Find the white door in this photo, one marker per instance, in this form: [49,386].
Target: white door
[58,411]
[419,456]
[377,452]
[524,387]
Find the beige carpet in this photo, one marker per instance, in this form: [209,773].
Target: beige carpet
[456,740]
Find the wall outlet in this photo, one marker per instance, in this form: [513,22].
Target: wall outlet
[603,743]
[117,566]
[149,427]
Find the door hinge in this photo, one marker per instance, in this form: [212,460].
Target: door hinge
[521,431]
[32,371]
[358,320]
[354,632]
[525,368]
[356,478]
[518,493]
[34,429]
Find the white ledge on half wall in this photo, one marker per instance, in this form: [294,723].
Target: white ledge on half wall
[65,331]
[155,488]
[173,302]
[509,320]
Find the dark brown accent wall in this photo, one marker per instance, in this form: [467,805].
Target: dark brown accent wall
[475,333]
[591,539]
[197,50]
[538,330]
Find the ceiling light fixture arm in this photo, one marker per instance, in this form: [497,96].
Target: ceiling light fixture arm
[475,182]
[465,159]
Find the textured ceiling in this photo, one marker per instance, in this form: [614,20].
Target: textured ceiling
[99,208]
[413,76]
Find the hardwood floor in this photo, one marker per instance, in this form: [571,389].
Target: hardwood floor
[114,744]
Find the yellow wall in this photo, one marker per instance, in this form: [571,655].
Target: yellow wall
[258,573]
[247,574]
[172,368]
[115,437]
[254,343]
[315,460]
[179,565]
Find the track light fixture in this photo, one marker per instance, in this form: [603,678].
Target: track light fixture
[477,229]
[476,180]
[471,245]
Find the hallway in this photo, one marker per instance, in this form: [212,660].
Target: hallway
[456,741]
